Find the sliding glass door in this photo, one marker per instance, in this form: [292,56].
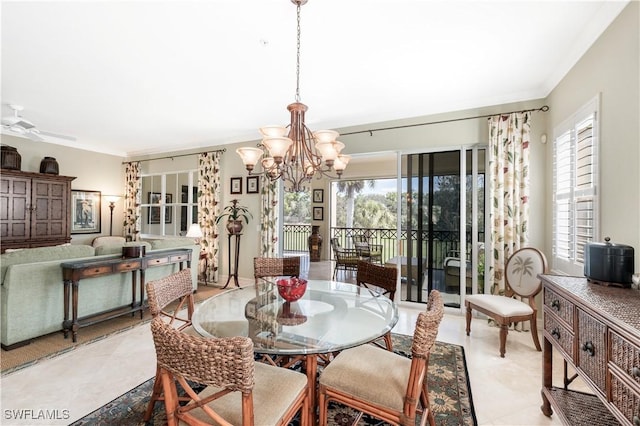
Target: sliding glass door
[442,224]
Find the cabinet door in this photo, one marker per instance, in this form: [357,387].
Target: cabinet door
[592,348]
[50,216]
[15,204]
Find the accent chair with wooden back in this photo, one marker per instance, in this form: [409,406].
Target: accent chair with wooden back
[160,294]
[275,267]
[384,384]
[239,391]
[521,280]
[346,259]
[384,279]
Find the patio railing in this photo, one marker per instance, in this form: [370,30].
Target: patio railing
[445,243]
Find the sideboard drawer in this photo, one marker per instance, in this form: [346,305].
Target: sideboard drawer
[158,261]
[179,258]
[626,356]
[130,265]
[562,336]
[592,348]
[625,399]
[95,271]
[559,305]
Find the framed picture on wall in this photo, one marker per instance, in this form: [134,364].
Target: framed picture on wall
[154,212]
[236,185]
[85,212]
[318,213]
[318,195]
[252,184]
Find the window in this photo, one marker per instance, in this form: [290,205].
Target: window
[575,188]
[169,203]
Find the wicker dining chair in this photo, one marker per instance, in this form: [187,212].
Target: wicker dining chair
[384,384]
[384,279]
[239,391]
[160,294]
[275,267]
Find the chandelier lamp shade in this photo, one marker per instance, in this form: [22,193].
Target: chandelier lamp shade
[294,153]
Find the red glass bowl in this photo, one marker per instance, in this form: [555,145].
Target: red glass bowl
[291,289]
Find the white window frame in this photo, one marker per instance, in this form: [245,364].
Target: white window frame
[566,254]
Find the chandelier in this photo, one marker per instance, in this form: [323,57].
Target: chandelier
[294,153]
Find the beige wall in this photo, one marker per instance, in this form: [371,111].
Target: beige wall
[611,68]
[93,172]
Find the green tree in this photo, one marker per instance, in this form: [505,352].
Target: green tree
[351,188]
[297,207]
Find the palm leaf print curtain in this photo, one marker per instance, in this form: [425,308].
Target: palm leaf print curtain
[269,218]
[209,210]
[132,200]
[509,137]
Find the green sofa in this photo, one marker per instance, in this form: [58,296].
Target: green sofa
[32,292]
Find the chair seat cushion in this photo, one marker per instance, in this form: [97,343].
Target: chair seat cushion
[273,392]
[501,305]
[357,372]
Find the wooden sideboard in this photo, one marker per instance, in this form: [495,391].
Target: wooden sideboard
[73,272]
[596,330]
[35,209]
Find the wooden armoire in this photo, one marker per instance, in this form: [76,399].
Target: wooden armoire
[35,209]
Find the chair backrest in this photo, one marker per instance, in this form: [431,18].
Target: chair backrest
[424,336]
[276,266]
[226,363]
[521,272]
[335,244]
[383,277]
[175,287]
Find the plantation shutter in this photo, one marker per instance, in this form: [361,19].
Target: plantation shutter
[575,206]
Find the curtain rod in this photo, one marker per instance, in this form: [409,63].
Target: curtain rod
[543,109]
[175,156]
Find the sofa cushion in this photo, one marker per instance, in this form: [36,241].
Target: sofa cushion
[117,248]
[103,241]
[167,243]
[43,254]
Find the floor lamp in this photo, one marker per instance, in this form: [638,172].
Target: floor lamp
[112,204]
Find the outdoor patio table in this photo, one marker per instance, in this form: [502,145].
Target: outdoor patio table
[330,316]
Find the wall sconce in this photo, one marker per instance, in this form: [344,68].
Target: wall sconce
[112,204]
[195,232]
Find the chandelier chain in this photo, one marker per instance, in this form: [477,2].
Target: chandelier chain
[298,56]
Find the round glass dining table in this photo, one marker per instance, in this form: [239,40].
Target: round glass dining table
[329,317]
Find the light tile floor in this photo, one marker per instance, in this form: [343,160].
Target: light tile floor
[506,391]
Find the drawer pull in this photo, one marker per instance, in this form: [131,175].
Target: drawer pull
[635,372]
[556,333]
[636,421]
[556,305]
[588,348]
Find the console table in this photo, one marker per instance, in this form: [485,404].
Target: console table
[596,330]
[73,272]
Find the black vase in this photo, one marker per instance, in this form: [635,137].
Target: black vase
[49,165]
[11,159]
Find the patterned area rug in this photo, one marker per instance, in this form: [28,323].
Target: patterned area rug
[448,382]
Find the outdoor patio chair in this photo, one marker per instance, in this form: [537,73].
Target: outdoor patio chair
[238,390]
[275,267]
[346,259]
[384,279]
[521,280]
[160,294]
[366,250]
[384,384]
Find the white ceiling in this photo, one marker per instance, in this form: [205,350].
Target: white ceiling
[141,77]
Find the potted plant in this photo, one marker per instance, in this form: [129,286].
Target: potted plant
[235,214]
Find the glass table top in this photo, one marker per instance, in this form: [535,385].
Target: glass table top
[330,316]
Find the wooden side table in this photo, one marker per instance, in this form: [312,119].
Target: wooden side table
[236,258]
